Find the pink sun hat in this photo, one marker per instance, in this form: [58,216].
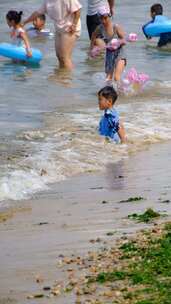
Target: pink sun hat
[104,11]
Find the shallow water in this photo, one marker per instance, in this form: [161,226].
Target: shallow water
[49,119]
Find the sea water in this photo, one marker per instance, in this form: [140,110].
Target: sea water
[49,118]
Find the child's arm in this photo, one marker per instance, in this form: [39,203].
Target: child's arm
[27,44]
[121,34]
[111,5]
[122,133]
[143,29]
[35,14]
[31,18]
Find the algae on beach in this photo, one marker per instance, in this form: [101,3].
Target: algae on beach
[145,217]
[137,270]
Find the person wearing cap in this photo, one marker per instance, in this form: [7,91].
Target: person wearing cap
[93,19]
[115,59]
[66,17]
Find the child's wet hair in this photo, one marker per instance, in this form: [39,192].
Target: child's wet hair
[109,93]
[42,17]
[14,16]
[157,9]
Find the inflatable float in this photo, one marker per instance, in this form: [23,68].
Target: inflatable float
[133,82]
[33,33]
[161,24]
[19,53]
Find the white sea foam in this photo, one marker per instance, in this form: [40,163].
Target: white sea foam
[69,144]
[166,84]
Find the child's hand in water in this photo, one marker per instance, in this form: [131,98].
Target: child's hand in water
[29,53]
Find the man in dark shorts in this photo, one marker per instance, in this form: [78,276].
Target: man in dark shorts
[93,19]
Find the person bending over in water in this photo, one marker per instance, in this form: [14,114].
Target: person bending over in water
[115,60]
[110,125]
[18,34]
[165,38]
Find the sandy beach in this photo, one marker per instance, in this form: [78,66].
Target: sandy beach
[75,216]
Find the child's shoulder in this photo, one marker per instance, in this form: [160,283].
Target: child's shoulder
[20,30]
[112,112]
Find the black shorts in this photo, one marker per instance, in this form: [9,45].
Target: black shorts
[165,38]
[92,22]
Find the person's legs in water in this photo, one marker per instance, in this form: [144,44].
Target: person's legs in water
[57,43]
[120,65]
[114,67]
[109,66]
[92,22]
[64,44]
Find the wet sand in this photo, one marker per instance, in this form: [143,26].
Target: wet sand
[84,208]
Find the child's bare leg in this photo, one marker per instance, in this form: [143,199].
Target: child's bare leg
[119,70]
[109,76]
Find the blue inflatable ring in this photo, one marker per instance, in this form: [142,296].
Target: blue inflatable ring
[19,53]
[159,25]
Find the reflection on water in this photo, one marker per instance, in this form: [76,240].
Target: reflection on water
[115,175]
[62,77]
[17,71]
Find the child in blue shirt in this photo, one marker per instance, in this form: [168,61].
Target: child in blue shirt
[109,125]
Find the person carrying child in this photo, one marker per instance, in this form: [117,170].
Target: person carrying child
[110,125]
[165,38]
[115,60]
[18,34]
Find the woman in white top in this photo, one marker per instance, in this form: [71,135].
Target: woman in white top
[93,19]
[66,17]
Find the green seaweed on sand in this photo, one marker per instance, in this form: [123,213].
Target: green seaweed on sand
[133,199]
[145,217]
[145,302]
[136,270]
[110,276]
[129,249]
[147,271]
[110,233]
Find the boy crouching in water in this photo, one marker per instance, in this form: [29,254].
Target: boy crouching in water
[110,125]
[165,38]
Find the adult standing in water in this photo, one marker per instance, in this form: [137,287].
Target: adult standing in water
[93,19]
[66,17]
